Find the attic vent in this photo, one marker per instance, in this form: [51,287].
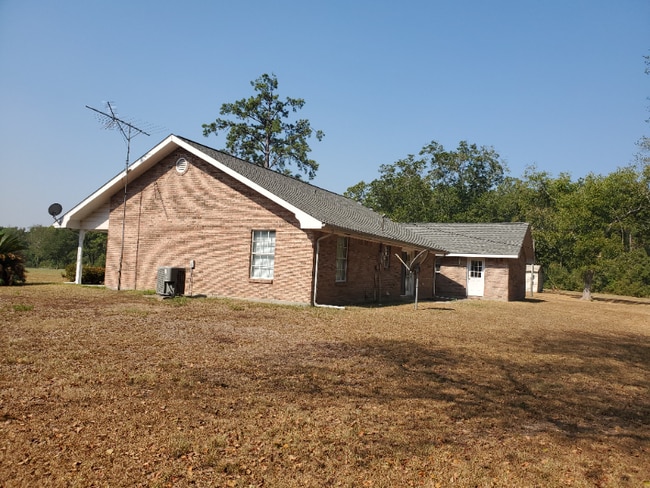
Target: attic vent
[181,166]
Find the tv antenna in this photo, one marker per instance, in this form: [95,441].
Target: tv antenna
[129,131]
[112,121]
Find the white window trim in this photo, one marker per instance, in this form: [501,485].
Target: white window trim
[262,262]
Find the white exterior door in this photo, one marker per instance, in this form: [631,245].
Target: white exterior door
[475,277]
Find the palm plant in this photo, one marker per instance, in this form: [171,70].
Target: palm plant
[12,265]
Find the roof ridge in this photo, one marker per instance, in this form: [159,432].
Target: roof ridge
[332,209]
[262,168]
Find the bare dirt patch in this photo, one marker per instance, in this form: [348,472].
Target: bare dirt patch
[105,388]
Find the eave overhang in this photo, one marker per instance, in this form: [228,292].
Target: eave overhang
[382,239]
[93,212]
[492,256]
[97,204]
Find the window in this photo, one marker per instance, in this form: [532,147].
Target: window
[476,269]
[263,254]
[342,259]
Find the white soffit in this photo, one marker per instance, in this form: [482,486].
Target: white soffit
[75,217]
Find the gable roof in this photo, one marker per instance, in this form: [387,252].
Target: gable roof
[313,207]
[497,240]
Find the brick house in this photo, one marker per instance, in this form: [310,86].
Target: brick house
[250,232]
[492,261]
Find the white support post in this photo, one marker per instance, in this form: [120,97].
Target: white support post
[80,255]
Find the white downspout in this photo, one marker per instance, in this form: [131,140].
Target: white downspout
[314,303]
[80,254]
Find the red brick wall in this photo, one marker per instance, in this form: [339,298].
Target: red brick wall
[366,281]
[452,279]
[505,279]
[206,216]
[517,280]
[367,278]
[496,279]
[499,285]
[427,273]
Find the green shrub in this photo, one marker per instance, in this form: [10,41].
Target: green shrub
[90,275]
[557,276]
[12,262]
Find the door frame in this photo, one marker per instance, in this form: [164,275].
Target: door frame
[475,277]
[408,278]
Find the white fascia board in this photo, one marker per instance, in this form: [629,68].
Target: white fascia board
[71,219]
[74,217]
[306,220]
[494,256]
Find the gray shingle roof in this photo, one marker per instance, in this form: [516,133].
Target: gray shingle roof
[499,239]
[335,211]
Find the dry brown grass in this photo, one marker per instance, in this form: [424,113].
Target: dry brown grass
[100,388]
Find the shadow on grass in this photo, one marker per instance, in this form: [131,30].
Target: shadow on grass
[607,298]
[627,301]
[40,283]
[581,385]
[433,304]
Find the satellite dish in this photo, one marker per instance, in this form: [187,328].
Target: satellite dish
[54,210]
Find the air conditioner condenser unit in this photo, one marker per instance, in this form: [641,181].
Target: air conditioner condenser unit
[170,281]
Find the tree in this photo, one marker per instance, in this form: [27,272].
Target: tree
[12,265]
[261,134]
[595,226]
[50,247]
[467,173]
[643,156]
[592,234]
[95,248]
[402,193]
[436,186]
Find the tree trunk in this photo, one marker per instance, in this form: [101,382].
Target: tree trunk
[588,277]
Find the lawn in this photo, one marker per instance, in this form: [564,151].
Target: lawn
[105,388]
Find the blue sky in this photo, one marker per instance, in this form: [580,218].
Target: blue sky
[556,84]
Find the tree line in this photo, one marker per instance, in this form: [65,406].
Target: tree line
[45,247]
[590,233]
